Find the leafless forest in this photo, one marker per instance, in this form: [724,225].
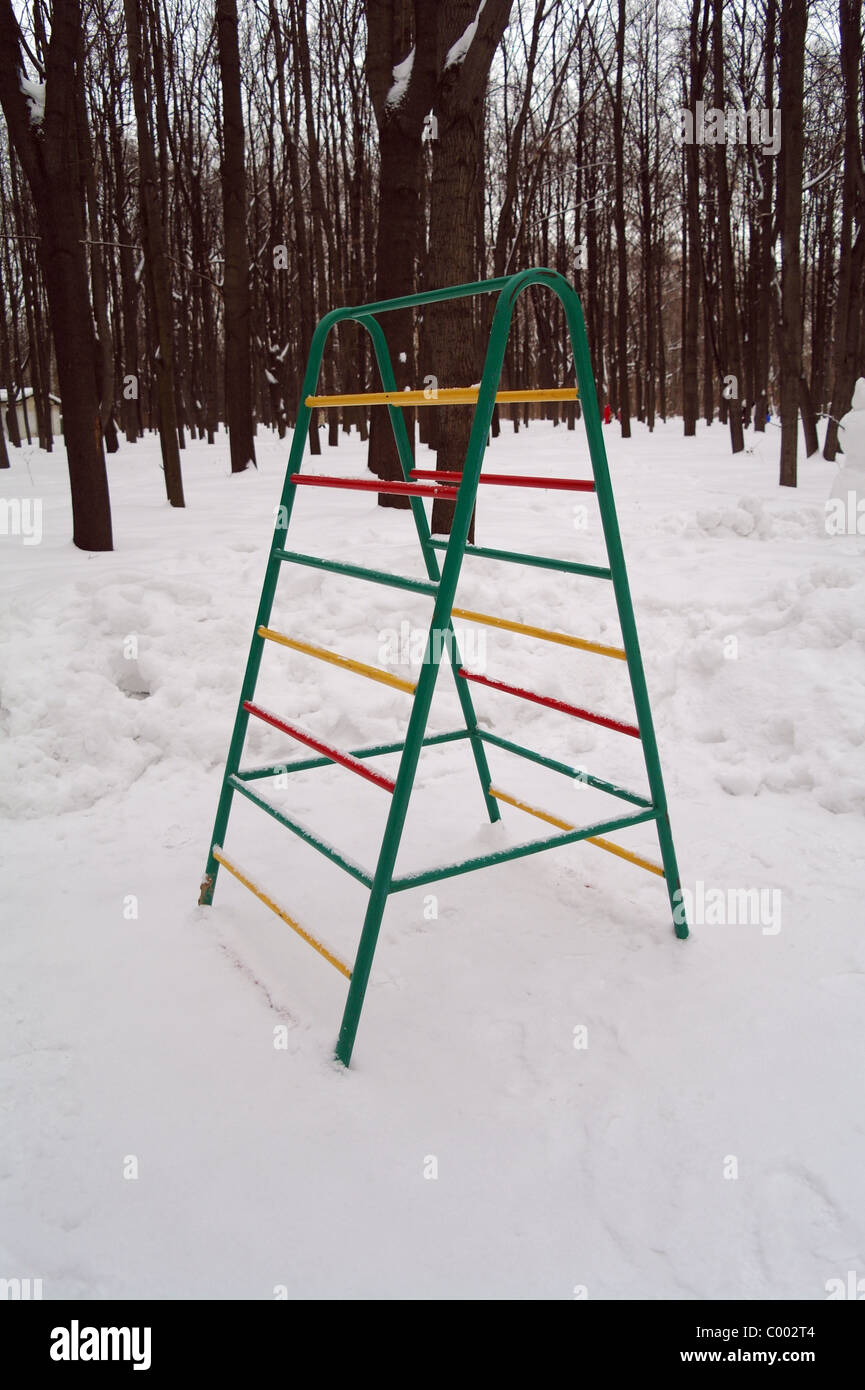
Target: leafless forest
[185,188]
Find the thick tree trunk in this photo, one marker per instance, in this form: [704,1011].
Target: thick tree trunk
[690,336]
[396,257]
[851,266]
[49,158]
[792,69]
[238,363]
[456,189]
[104,363]
[395,28]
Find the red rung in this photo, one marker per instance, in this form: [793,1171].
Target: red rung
[344,759]
[509,480]
[370,485]
[552,704]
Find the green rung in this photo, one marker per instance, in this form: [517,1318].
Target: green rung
[578,773]
[395,581]
[502,856]
[545,562]
[250,774]
[441,585]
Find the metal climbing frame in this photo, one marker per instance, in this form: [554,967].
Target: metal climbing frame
[441,586]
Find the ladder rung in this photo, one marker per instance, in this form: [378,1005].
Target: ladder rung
[555,765]
[503,856]
[344,759]
[395,581]
[301,831]
[253,774]
[545,562]
[544,633]
[281,912]
[372,485]
[346,663]
[608,845]
[512,480]
[552,703]
[445,395]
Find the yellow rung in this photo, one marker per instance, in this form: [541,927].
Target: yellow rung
[542,632]
[532,810]
[601,843]
[360,668]
[280,912]
[445,395]
[632,858]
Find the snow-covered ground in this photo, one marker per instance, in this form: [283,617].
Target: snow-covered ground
[705,1142]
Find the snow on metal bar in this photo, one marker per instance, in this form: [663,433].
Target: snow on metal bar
[344,759]
[551,703]
[252,774]
[371,485]
[395,581]
[608,845]
[544,633]
[503,856]
[281,912]
[580,773]
[302,832]
[515,557]
[346,663]
[512,480]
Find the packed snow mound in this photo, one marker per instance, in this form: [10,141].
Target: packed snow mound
[754,519]
[133,685]
[852,430]
[778,691]
[848,486]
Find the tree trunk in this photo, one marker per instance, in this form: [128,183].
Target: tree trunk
[619,215]
[48,154]
[238,363]
[792,69]
[456,187]
[392,25]
[156,264]
[731,361]
[851,265]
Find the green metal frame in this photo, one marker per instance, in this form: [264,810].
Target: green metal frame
[442,585]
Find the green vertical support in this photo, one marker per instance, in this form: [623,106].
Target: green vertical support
[426,685]
[403,448]
[621,588]
[262,617]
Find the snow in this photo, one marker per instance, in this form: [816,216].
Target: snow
[849,485]
[401,79]
[35,94]
[457,51]
[199,1041]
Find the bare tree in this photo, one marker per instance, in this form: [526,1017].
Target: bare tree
[155,260]
[793,23]
[238,367]
[851,271]
[45,138]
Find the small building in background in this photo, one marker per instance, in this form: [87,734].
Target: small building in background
[25,409]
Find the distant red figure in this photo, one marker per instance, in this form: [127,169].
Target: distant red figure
[608,414]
